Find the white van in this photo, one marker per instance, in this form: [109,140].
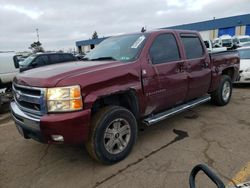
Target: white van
[224,41]
[240,40]
[211,49]
[8,69]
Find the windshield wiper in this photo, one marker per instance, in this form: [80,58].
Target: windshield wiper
[103,58]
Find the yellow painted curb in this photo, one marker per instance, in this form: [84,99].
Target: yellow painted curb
[242,175]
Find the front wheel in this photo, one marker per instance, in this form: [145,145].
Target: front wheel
[222,95]
[113,134]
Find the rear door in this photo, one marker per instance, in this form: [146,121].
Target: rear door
[198,66]
[166,61]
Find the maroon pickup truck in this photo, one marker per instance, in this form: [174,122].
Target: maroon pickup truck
[126,80]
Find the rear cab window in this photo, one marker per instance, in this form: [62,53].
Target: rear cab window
[192,46]
[164,49]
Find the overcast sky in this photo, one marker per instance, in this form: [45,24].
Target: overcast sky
[63,22]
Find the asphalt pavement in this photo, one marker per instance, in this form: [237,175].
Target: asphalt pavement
[162,157]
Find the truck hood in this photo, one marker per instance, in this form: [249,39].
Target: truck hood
[50,75]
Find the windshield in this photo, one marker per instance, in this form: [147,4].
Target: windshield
[245,39]
[226,41]
[244,53]
[121,48]
[27,61]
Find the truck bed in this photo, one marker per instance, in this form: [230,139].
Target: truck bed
[224,58]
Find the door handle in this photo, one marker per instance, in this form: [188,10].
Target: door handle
[180,67]
[204,65]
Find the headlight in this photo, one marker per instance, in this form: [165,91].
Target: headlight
[62,99]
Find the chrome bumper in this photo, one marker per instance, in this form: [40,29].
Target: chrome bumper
[28,127]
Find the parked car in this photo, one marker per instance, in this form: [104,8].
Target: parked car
[240,40]
[211,49]
[244,76]
[80,56]
[246,44]
[7,73]
[43,59]
[128,79]
[224,41]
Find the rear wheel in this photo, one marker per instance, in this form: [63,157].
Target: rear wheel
[222,95]
[113,134]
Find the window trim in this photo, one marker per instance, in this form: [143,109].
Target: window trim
[166,62]
[192,35]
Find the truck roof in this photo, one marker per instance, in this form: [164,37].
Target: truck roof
[161,31]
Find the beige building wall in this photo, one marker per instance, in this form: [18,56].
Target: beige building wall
[214,34]
[242,30]
[205,35]
[85,48]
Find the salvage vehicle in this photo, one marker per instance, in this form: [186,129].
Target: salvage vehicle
[244,74]
[211,49]
[126,80]
[8,71]
[240,40]
[224,41]
[44,59]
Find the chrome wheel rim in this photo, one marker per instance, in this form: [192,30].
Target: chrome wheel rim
[226,91]
[117,136]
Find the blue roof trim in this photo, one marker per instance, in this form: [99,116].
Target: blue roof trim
[215,24]
[90,41]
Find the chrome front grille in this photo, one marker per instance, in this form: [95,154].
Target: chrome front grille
[31,100]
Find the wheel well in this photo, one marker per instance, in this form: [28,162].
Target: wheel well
[229,72]
[126,99]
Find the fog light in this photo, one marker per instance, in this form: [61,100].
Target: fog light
[57,138]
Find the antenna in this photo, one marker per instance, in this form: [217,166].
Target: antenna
[37,34]
[143,29]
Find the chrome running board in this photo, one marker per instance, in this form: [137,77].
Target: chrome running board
[164,115]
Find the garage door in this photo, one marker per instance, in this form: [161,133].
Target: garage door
[248,30]
[227,31]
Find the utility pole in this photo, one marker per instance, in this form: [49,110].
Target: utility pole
[37,34]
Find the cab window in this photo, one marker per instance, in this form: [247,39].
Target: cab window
[192,46]
[164,49]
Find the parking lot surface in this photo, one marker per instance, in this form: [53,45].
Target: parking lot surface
[162,157]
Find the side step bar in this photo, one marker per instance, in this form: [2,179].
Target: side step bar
[164,115]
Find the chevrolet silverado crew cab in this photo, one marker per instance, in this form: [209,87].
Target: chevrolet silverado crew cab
[126,80]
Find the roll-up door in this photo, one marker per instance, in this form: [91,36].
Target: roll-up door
[227,31]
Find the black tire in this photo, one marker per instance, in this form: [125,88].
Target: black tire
[217,95]
[99,123]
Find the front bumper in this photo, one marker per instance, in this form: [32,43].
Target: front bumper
[73,126]
[244,77]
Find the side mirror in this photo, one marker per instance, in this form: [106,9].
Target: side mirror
[16,62]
